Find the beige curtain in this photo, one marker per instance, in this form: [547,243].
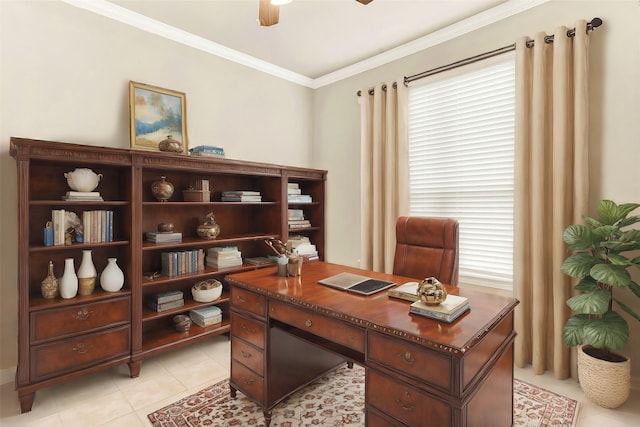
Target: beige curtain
[384,172]
[552,178]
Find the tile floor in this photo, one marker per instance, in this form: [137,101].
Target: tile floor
[111,398]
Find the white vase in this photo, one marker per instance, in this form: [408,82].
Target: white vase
[68,283]
[86,274]
[112,278]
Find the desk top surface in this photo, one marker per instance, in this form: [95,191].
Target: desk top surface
[380,312]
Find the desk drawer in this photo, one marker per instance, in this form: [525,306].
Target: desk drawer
[247,381]
[411,360]
[245,300]
[332,329]
[76,353]
[78,318]
[405,403]
[249,330]
[248,355]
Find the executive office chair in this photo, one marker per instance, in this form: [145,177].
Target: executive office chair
[427,247]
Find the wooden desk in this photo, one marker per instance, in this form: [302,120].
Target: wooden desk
[288,331]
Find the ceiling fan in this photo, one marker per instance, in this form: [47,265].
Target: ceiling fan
[269,11]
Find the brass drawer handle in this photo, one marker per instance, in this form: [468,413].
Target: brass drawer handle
[309,323]
[83,314]
[245,354]
[406,358]
[242,300]
[407,407]
[248,381]
[250,330]
[80,348]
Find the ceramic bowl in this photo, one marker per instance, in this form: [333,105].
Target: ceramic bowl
[182,322]
[206,290]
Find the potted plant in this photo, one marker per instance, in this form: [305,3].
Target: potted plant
[602,260]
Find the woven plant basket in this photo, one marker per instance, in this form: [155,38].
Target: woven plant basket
[605,383]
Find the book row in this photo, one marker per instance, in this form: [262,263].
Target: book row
[66,227]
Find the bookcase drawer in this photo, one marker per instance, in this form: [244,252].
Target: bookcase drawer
[333,329]
[410,359]
[56,323]
[76,353]
[249,330]
[248,301]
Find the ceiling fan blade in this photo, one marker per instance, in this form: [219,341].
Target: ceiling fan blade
[364,1]
[268,14]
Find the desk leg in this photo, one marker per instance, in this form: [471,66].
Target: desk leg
[233,391]
[267,418]
[350,364]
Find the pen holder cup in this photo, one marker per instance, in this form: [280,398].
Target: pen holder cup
[294,267]
[282,270]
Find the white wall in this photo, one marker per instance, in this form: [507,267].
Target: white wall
[614,125]
[65,75]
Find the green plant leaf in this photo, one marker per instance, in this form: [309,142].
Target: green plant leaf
[572,332]
[586,284]
[578,265]
[626,208]
[594,302]
[628,221]
[608,212]
[606,231]
[578,237]
[615,275]
[592,221]
[635,288]
[627,309]
[610,331]
[617,259]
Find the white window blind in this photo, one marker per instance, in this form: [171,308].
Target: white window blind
[461,161]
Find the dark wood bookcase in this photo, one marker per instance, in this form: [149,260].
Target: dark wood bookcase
[111,328]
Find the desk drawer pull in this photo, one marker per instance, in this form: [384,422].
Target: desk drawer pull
[309,323]
[406,358]
[83,314]
[80,348]
[250,330]
[242,300]
[248,381]
[407,407]
[245,354]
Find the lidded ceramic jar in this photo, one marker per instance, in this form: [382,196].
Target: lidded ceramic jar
[431,291]
[162,189]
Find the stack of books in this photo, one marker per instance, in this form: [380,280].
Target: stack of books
[181,262]
[163,237]
[407,291]
[224,257]
[297,220]
[206,316]
[294,194]
[207,151]
[448,311]
[241,196]
[166,301]
[301,245]
[97,226]
[92,196]
[261,260]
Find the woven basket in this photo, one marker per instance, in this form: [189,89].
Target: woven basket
[605,383]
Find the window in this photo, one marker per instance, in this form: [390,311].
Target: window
[461,160]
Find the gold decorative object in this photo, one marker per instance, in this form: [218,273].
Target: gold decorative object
[170,145]
[49,286]
[209,229]
[431,291]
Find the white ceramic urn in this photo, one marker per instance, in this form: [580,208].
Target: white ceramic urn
[83,179]
[112,278]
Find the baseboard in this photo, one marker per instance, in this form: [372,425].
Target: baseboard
[7,375]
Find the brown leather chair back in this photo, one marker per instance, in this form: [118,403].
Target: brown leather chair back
[427,247]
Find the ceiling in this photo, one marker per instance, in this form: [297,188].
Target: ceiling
[315,39]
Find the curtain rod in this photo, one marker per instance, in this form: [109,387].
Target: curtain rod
[595,23]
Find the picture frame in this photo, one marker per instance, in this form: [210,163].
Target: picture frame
[157,115]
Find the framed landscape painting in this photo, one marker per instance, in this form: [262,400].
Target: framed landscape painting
[157,114]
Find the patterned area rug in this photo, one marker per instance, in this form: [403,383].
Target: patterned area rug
[337,400]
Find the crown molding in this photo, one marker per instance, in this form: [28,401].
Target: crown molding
[144,23]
